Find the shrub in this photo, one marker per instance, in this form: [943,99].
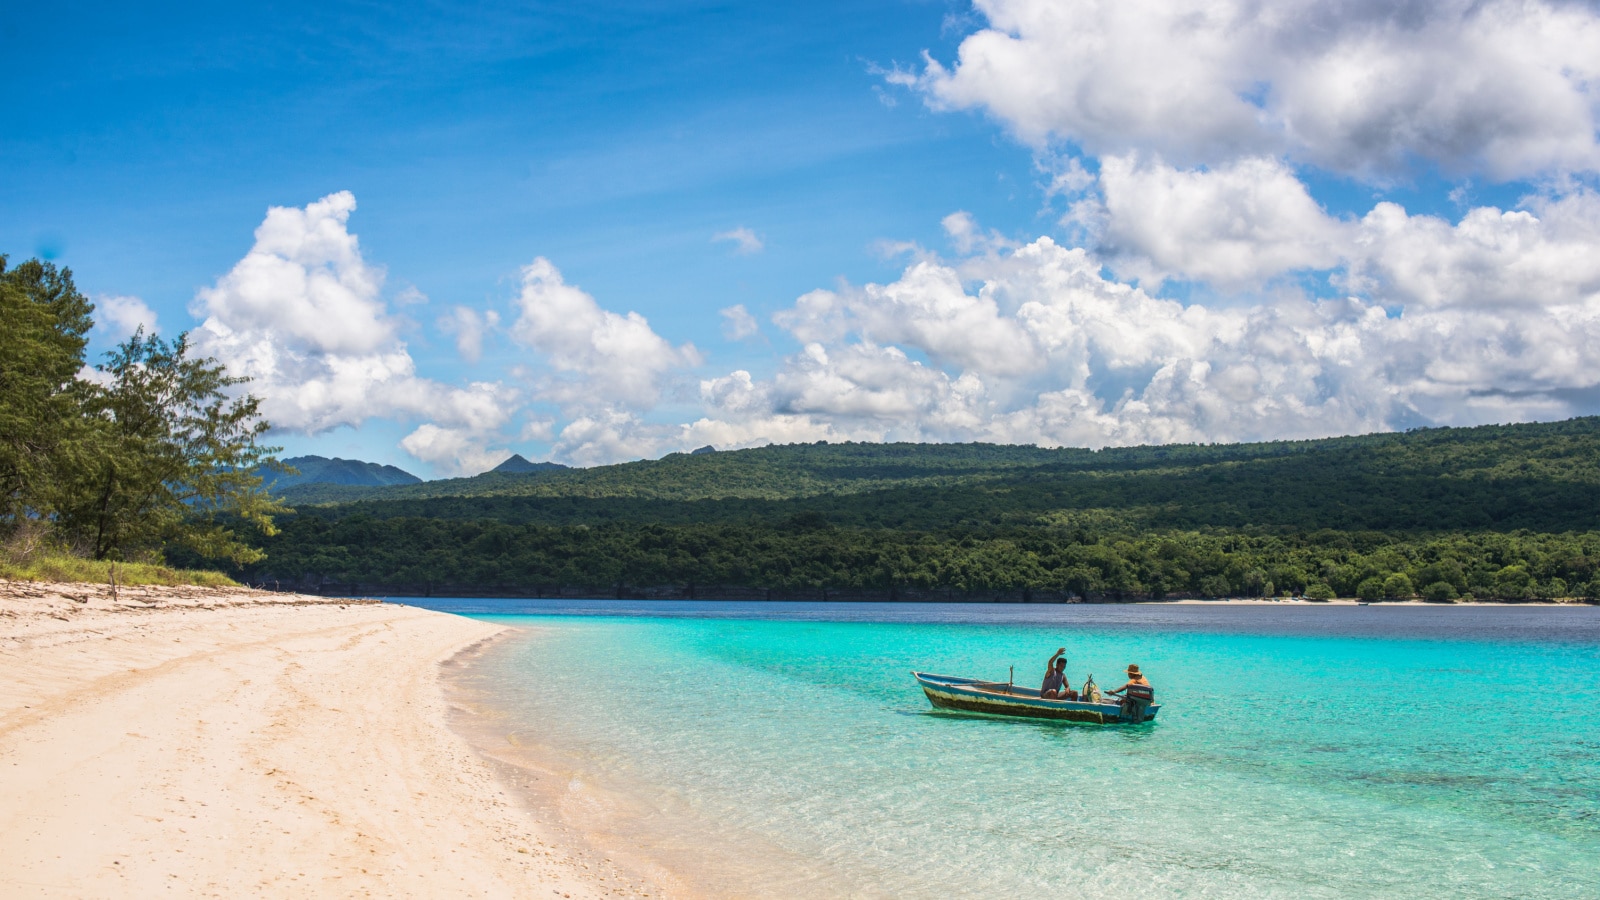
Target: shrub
[1553,589]
[1439,592]
[1320,591]
[1513,583]
[1398,586]
[1370,589]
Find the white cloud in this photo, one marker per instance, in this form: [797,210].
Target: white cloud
[305,282]
[1232,226]
[927,308]
[604,358]
[452,451]
[122,316]
[469,327]
[1107,363]
[1509,88]
[1492,317]
[967,237]
[609,436]
[745,242]
[737,323]
[301,316]
[1547,255]
[410,296]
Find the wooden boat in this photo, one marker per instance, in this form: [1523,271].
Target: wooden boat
[1001,699]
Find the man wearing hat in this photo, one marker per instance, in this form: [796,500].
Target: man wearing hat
[1139,694]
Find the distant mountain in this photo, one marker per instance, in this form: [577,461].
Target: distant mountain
[519,465]
[321,470]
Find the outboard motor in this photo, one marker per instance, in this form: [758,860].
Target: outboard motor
[1136,700]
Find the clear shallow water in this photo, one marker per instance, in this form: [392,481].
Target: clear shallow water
[1306,751]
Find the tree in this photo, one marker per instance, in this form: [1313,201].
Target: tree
[45,321]
[1439,592]
[1397,586]
[173,459]
[1319,591]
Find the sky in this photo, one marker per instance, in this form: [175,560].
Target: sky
[435,234]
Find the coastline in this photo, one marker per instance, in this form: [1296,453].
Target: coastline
[646,833]
[224,741]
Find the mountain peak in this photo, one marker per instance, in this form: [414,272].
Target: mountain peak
[322,470]
[520,465]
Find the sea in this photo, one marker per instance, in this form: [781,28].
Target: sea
[1302,750]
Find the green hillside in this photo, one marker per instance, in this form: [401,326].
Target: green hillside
[1543,476]
[767,473]
[1511,509]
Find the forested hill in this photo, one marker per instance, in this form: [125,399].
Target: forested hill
[768,473]
[319,470]
[1503,512]
[1543,477]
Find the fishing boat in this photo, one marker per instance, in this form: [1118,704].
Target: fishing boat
[998,698]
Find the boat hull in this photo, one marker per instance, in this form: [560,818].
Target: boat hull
[973,696]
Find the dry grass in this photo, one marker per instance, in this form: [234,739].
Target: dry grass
[47,566]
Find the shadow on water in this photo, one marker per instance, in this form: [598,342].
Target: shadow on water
[1051,725]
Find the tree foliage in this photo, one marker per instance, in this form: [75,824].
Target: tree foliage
[45,321]
[173,458]
[1508,512]
[153,452]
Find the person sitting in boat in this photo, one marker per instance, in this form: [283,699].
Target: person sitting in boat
[1055,685]
[1136,681]
[1138,697]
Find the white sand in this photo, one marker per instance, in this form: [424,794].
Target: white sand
[194,742]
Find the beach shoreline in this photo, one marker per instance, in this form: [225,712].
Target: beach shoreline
[224,741]
[641,832]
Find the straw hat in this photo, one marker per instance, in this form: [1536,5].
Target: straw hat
[1133,669]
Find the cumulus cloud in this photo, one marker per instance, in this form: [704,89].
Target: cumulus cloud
[927,308]
[1045,348]
[1232,226]
[1546,255]
[738,324]
[469,327]
[600,357]
[122,316]
[454,451]
[1508,88]
[302,316]
[745,242]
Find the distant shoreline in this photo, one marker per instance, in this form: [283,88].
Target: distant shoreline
[739,593]
[1351,601]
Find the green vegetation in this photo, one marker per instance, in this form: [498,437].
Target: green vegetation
[1104,564]
[157,460]
[152,454]
[66,567]
[1498,512]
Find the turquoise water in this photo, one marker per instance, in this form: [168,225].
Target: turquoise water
[1305,751]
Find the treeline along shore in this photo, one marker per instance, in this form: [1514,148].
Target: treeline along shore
[156,460]
[1503,513]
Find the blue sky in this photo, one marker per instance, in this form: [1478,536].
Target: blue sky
[145,146]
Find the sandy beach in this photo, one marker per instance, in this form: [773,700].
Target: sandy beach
[210,742]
